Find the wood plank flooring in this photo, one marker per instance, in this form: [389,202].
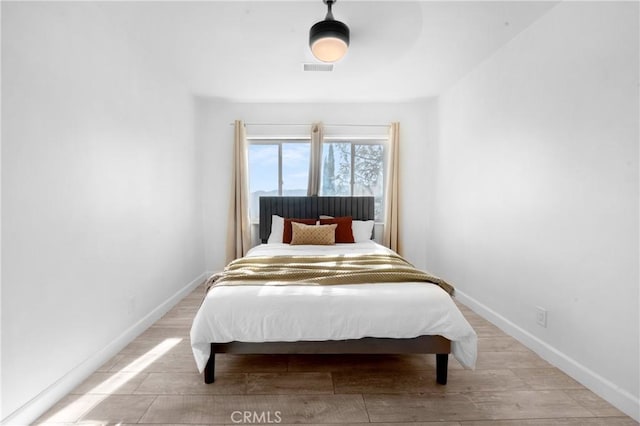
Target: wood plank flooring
[154,381]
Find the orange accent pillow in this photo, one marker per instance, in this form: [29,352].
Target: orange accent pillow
[344,234]
[287,233]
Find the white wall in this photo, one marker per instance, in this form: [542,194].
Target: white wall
[101,209]
[417,124]
[536,191]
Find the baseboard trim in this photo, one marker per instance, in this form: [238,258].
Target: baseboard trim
[619,398]
[37,406]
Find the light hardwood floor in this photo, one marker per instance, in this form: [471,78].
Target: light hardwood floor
[154,381]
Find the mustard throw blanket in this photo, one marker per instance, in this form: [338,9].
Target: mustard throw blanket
[322,270]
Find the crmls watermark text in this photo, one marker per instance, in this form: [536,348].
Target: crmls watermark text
[256,417]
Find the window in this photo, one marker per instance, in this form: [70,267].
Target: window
[277,167]
[350,166]
[354,168]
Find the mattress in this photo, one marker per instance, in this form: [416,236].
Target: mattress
[263,313]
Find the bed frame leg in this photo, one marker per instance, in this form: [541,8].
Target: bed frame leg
[442,362]
[209,369]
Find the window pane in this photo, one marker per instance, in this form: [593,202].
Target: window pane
[295,168]
[368,175]
[263,174]
[335,176]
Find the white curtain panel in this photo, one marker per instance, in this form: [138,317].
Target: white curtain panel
[239,230]
[315,159]
[391,205]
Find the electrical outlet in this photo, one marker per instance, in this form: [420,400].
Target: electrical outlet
[541,316]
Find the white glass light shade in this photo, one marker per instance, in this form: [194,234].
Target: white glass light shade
[329,39]
[329,49]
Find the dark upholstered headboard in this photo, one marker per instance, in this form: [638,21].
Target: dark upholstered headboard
[360,208]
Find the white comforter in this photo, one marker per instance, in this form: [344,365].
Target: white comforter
[330,312]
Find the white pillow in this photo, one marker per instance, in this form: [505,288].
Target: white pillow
[362,230]
[277,230]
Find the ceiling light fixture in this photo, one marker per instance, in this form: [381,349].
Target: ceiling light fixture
[329,39]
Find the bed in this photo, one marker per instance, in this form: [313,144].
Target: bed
[411,317]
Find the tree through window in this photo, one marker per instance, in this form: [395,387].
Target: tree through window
[354,168]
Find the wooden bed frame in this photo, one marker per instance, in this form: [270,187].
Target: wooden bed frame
[360,208]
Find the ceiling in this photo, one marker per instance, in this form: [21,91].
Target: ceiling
[255,51]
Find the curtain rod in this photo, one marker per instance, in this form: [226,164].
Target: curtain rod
[309,124]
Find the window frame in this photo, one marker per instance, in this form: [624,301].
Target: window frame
[279,141]
[364,140]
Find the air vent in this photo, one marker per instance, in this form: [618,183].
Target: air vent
[318,67]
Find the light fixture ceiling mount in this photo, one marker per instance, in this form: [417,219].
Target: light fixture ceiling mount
[329,39]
